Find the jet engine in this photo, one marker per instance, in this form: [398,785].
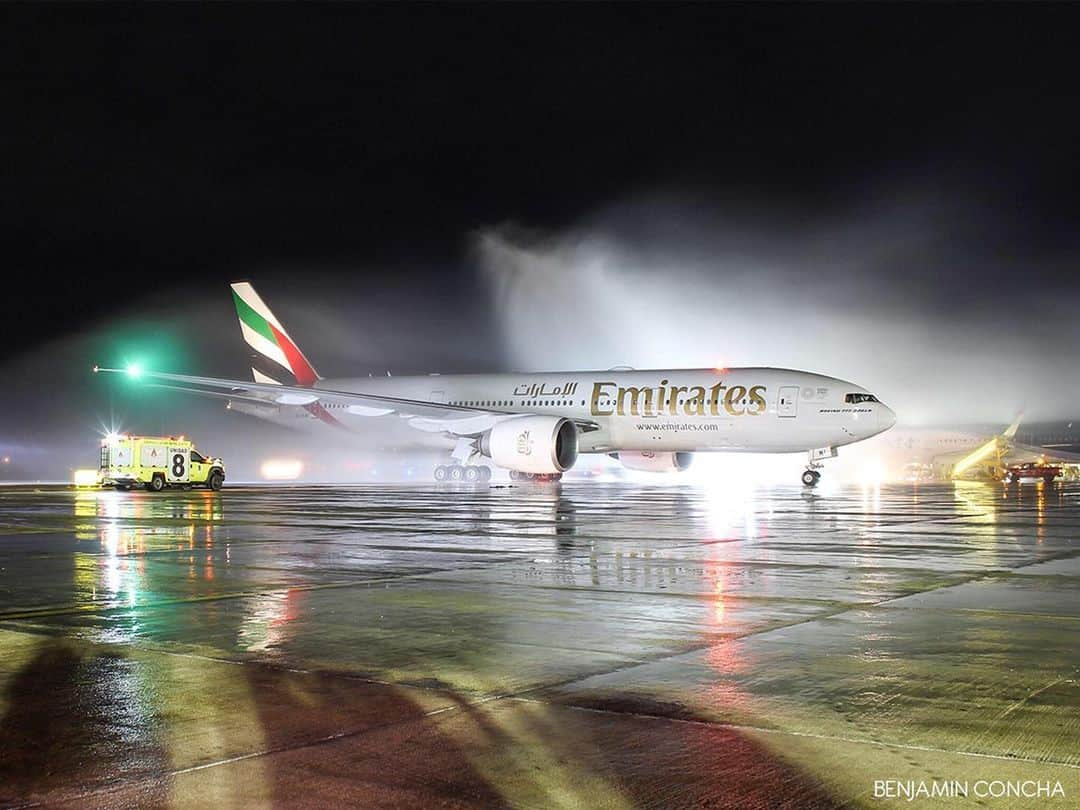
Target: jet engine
[542,445]
[649,461]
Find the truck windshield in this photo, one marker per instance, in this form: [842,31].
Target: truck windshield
[196,457]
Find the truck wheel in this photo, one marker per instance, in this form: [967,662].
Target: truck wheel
[215,481]
[157,483]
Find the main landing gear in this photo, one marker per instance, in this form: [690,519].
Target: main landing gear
[469,473]
[810,477]
[523,476]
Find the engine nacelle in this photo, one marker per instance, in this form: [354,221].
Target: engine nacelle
[649,461]
[542,445]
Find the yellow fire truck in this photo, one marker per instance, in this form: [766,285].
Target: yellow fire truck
[156,462]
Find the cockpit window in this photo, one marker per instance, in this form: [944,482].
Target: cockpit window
[855,399]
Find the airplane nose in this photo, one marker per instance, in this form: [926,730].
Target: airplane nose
[886,417]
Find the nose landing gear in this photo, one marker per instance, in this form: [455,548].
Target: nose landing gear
[811,476]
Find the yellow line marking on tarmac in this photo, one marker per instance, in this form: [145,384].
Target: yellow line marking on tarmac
[808,734]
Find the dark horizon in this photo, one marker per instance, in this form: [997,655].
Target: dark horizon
[882,193]
[161,148]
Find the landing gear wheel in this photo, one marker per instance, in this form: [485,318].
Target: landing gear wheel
[442,473]
[157,483]
[215,481]
[472,474]
[457,472]
[485,473]
[810,477]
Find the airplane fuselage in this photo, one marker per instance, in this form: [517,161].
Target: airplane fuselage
[735,410]
[536,424]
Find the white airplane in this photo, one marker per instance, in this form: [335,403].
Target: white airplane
[936,453]
[536,424]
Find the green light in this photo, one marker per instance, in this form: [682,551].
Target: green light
[134,370]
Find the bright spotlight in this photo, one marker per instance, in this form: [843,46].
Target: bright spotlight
[85,478]
[286,469]
[134,369]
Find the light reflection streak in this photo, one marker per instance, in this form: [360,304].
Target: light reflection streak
[127,527]
[266,626]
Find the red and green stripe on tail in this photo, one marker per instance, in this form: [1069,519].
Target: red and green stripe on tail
[265,334]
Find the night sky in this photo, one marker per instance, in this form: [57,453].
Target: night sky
[447,180]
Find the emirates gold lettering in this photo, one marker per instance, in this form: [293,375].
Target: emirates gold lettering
[732,399]
[714,398]
[640,399]
[597,393]
[757,400]
[611,399]
[675,399]
[695,404]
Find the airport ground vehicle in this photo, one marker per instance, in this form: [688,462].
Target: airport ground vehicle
[1031,470]
[156,462]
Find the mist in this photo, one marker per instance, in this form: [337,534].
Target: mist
[924,302]
[937,303]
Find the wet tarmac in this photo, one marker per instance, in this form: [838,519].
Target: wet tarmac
[581,645]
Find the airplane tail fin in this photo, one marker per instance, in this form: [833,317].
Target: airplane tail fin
[265,334]
[1010,431]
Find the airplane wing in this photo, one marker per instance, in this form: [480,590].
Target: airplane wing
[1047,453]
[458,420]
[1010,431]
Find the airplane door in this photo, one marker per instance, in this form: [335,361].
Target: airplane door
[787,401]
[438,396]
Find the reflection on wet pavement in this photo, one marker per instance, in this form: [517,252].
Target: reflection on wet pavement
[535,645]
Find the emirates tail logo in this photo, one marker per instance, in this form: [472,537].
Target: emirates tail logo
[524,443]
